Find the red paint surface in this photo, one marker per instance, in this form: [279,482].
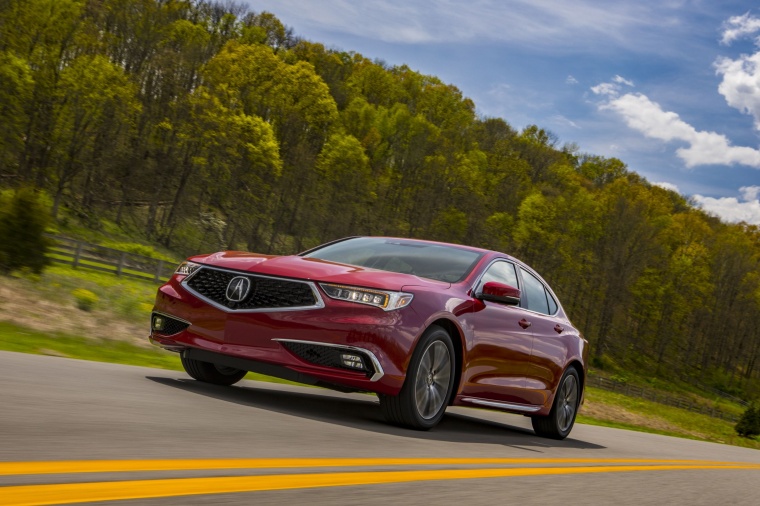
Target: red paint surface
[500,360]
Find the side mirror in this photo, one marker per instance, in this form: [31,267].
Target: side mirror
[499,292]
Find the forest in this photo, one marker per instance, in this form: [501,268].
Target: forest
[204,125]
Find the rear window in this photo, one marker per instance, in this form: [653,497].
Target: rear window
[440,262]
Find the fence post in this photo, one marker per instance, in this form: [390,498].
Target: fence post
[121,263]
[77,254]
[158,270]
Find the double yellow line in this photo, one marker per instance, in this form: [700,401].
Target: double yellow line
[17,495]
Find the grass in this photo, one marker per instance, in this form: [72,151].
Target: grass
[660,419]
[128,298]
[20,339]
[107,233]
[637,370]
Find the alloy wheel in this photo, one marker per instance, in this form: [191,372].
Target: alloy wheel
[432,382]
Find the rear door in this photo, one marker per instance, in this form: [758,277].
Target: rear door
[549,350]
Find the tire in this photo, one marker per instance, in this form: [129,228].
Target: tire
[212,373]
[429,380]
[559,422]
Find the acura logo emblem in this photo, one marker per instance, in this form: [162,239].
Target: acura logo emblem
[238,288]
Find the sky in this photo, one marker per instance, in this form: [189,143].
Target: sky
[670,87]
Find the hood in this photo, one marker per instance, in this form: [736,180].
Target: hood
[314,269]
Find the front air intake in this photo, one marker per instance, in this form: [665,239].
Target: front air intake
[331,356]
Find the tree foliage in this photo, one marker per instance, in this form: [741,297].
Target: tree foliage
[24,217]
[204,125]
[749,423]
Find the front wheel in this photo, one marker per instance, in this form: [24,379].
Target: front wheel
[212,373]
[561,418]
[423,398]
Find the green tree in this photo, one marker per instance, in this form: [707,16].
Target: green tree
[349,197]
[16,85]
[95,102]
[749,423]
[24,216]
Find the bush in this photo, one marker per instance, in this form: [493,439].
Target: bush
[23,218]
[749,424]
[86,300]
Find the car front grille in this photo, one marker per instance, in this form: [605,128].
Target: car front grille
[265,292]
[326,356]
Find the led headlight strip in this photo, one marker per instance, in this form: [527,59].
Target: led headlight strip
[186,268]
[385,300]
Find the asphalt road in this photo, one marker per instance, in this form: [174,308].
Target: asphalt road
[75,431]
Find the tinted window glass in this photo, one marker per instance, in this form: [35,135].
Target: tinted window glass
[534,293]
[552,303]
[501,272]
[433,261]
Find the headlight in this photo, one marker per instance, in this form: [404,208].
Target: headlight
[387,301]
[187,268]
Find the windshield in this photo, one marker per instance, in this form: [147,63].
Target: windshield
[440,262]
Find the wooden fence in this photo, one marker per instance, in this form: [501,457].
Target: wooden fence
[659,397]
[84,255]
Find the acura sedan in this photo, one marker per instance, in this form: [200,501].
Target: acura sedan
[424,325]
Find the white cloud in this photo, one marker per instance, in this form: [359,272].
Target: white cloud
[667,186]
[749,192]
[737,27]
[609,89]
[740,85]
[571,80]
[704,148]
[731,209]
[559,119]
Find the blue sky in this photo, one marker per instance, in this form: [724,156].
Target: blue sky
[671,87]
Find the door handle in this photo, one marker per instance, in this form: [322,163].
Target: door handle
[558,328]
[524,323]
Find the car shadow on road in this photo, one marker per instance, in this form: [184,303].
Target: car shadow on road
[363,412]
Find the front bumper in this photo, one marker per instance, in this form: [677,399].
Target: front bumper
[322,345]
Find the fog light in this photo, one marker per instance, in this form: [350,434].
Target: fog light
[158,323]
[352,361]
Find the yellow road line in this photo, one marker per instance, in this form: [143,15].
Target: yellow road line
[27,495]
[111,466]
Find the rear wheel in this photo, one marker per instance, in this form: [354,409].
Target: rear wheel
[561,418]
[423,398]
[212,373]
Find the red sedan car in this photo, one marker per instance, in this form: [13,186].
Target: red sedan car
[422,324]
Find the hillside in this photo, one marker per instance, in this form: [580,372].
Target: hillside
[201,126]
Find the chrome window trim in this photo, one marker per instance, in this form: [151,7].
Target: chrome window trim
[319,304]
[503,405]
[548,291]
[379,372]
[490,264]
[518,266]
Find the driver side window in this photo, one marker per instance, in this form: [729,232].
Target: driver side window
[501,272]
